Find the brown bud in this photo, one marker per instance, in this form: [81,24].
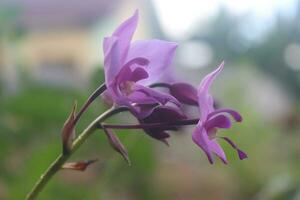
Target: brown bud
[116,144]
[68,131]
[79,166]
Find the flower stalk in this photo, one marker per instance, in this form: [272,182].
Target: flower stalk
[164,125]
[62,158]
[91,98]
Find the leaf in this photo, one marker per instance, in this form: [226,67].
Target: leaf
[116,144]
[68,131]
[79,166]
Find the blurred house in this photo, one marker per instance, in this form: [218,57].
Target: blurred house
[61,41]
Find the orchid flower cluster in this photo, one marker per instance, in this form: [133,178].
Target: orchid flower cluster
[133,72]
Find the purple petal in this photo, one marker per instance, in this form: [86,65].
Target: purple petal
[137,97]
[123,75]
[200,137]
[208,79]
[144,110]
[204,99]
[161,114]
[185,93]
[161,97]
[127,72]
[138,74]
[242,155]
[217,149]
[138,61]
[236,116]
[112,62]
[159,53]
[124,33]
[220,121]
[157,134]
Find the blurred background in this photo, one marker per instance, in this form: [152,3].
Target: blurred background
[51,55]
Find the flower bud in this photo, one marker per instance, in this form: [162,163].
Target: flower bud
[68,131]
[79,166]
[116,144]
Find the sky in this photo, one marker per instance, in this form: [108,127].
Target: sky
[179,16]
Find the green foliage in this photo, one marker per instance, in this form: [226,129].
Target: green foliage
[30,140]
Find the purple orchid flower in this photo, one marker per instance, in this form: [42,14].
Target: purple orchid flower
[130,66]
[212,119]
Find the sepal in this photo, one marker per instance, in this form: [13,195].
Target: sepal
[78,166]
[68,131]
[116,144]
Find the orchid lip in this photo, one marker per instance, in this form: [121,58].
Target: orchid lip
[236,116]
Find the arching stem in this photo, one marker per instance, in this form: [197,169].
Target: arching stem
[62,158]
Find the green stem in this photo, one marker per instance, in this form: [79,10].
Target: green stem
[62,158]
[91,98]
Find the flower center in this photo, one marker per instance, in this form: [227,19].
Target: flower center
[127,87]
[212,133]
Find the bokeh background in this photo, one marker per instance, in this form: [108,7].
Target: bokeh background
[51,55]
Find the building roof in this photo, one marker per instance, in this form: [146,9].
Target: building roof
[45,14]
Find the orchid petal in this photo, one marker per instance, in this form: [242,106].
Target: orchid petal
[157,134]
[185,93]
[125,74]
[141,98]
[220,121]
[138,61]
[217,149]
[139,74]
[201,138]
[204,98]
[236,116]
[112,62]
[161,97]
[159,53]
[144,110]
[161,114]
[124,33]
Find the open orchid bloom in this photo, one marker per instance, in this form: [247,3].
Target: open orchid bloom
[130,66]
[211,119]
